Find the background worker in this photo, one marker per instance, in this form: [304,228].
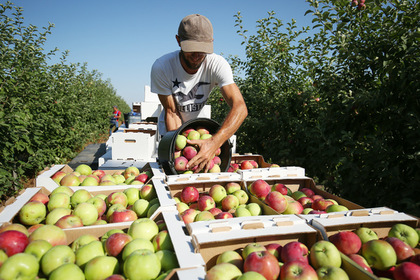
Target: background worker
[115,120]
[184,79]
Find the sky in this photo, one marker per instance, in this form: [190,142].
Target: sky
[122,39]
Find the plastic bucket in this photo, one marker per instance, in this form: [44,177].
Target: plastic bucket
[166,146]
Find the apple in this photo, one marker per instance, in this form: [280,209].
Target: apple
[70,180]
[295,270]
[402,249]
[321,204]
[204,216]
[251,275]
[361,261]
[215,211]
[189,152]
[33,228]
[189,194]
[232,187]
[193,135]
[141,206]
[79,196]
[260,188]
[83,240]
[39,196]
[415,259]
[217,192]
[366,234]
[124,215]
[305,201]
[113,208]
[242,211]
[331,273]
[298,194]
[307,210]
[294,251]
[115,243]
[168,260]
[137,244]
[223,215]
[51,233]
[99,173]
[203,130]
[19,266]
[230,202]
[110,232]
[144,228]
[99,204]
[69,221]
[188,216]
[87,212]
[281,188]
[55,257]
[275,249]
[346,242]
[205,203]
[254,209]
[215,168]
[13,242]
[14,226]
[293,207]
[57,176]
[38,248]
[88,251]
[152,209]
[379,254]
[232,257]
[242,196]
[254,163]
[142,265]
[233,167]
[336,208]
[246,164]
[308,192]
[407,271]
[32,213]
[162,241]
[131,171]
[324,253]
[264,263]
[119,178]
[180,164]
[63,271]
[180,142]
[109,178]
[84,169]
[252,247]
[277,201]
[57,200]
[117,197]
[405,233]
[101,267]
[223,271]
[148,192]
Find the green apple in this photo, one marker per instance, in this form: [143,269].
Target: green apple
[3,257]
[133,194]
[306,211]
[148,192]
[331,273]
[168,260]
[32,213]
[79,196]
[83,169]
[90,181]
[180,142]
[254,208]
[223,271]
[119,179]
[365,234]
[87,252]
[62,189]
[217,192]
[153,207]
[379,254]
[137,244]
[242,196]
[56,256]
[162,241]
[298,194]
[252,247]
[87,212]
[82,240]
[64,271]
[251,275]
[336,208]
[242,212]
[324,253]
[51,233]
[60,199]
[232,257]
[19,266]
[143,228]
[193,135]
[141,206]
[99,204]
[101,267]
[142,265]
[405,233]
[38,248]
[56,214]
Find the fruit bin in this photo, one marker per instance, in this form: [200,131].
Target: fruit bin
[44,179]
[133,144]
[237,158]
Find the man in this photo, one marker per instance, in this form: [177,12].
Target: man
[116,115]
[184,79]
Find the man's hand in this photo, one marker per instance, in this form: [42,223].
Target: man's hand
[207,150]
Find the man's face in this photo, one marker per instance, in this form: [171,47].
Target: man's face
[193,60]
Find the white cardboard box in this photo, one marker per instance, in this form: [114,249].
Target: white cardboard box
[14,205]
[133,145]
[272,172]
[202,177]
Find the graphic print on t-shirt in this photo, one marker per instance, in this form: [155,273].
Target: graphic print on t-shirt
[192,101]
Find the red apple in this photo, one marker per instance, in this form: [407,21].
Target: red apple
[13,242]
[277,201]
[142,177]
[321,204]
[274,249]
[307,191]
[189,194]
[223,215]
[347,242]
[293,207]
[246,164]
[297,270]
[42,197]
[181,164]
[69,221]
[305,201]
[189,152]
[317,196]
[115,243]
[407,271]
[360,260]
[215,211]
[205,203]
[124,215]
[260,188]
[264,263]
[415,259]
[188,216]
[281,188]
[294,251]
[402,249]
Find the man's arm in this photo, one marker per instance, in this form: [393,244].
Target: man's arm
[234,119]
[172,116]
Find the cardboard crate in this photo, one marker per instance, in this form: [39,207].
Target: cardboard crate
[196,273]
[44,178]
[202,177]
[295,184]
[272,173]
[237,158]
[14,204]
[139,145]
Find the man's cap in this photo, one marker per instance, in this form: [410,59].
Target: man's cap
[196,34]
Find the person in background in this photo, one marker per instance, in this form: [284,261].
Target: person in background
[115,119]
[183,80]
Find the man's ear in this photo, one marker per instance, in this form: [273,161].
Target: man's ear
[178,40]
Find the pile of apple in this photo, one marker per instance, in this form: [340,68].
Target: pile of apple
[67,208]
[395,256]
[143,251]
[220,202]
[184,151]
[83,175]
[246,164]
[273,261]
[303,201]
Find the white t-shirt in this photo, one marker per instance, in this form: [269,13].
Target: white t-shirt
[190,91]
